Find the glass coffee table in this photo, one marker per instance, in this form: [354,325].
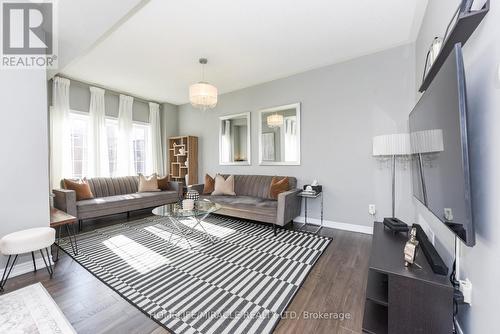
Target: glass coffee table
[175,213]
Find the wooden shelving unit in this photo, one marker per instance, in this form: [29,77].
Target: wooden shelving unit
[465,24]
[183,149]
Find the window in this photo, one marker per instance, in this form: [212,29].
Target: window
[112,133]
[140,138]
[79,144]
[79,136]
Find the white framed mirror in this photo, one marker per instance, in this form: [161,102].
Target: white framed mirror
[279,135]
[234,139]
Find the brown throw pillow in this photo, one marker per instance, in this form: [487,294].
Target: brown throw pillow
[209,186]
[224,187]
[81,188]
[164,183]
[277,187]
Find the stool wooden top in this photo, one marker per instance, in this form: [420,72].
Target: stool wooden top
[58,218]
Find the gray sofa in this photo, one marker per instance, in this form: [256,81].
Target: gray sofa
[252,200]
[113,195]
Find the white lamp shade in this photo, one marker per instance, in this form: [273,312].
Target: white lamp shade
[427,141]
[274,120]
[394,144]
[203,95]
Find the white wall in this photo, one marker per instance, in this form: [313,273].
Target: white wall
[343,107]
[479,263]
[24,195]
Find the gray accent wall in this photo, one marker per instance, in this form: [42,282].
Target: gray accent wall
[343,107]
[479,263]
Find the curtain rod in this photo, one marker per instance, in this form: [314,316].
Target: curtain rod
[112,91]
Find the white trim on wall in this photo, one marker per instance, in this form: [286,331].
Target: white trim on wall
[337,225]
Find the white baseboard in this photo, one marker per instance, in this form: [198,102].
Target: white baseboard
[337,225]
[27,266]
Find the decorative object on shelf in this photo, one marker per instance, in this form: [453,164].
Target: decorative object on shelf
[186,163]
[182,151]
[274,120]
[188,204]
[186,178]
[314,188]
[203,95]
[192,194]
[410,250]
[392,145]
[463,23]
[432,54]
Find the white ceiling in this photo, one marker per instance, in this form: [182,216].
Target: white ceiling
[154,53]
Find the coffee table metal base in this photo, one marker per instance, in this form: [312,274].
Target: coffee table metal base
[177,225]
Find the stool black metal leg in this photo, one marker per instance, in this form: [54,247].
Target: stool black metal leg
[57,244]
[72,240]
[48,266]
[50,263]
[7,271]
[33,257]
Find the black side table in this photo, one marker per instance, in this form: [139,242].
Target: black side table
[307,195]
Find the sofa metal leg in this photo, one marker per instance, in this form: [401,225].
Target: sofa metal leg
[275,230]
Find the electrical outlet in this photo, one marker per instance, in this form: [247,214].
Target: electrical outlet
[372,209]
[466,289]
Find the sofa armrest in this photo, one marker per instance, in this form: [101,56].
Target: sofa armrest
[65,200]
[178,187]
[289,206]
[198,187]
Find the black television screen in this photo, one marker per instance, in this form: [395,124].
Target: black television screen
[440,160]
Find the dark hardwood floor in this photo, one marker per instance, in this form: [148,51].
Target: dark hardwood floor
[335,285]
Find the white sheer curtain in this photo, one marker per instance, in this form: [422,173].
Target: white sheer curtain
[291,139]
[226,141]
[156,147]
[98,138]
[60,150]
[124,157]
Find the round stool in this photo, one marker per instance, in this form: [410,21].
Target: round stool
[27,241]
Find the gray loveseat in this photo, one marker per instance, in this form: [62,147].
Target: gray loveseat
[113,195]
[252,200]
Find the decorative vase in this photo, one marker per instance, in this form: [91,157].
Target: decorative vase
[192,194]
[187,179]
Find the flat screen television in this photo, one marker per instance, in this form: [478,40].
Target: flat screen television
[440,157]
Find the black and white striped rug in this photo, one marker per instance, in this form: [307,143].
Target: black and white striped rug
[242,283]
